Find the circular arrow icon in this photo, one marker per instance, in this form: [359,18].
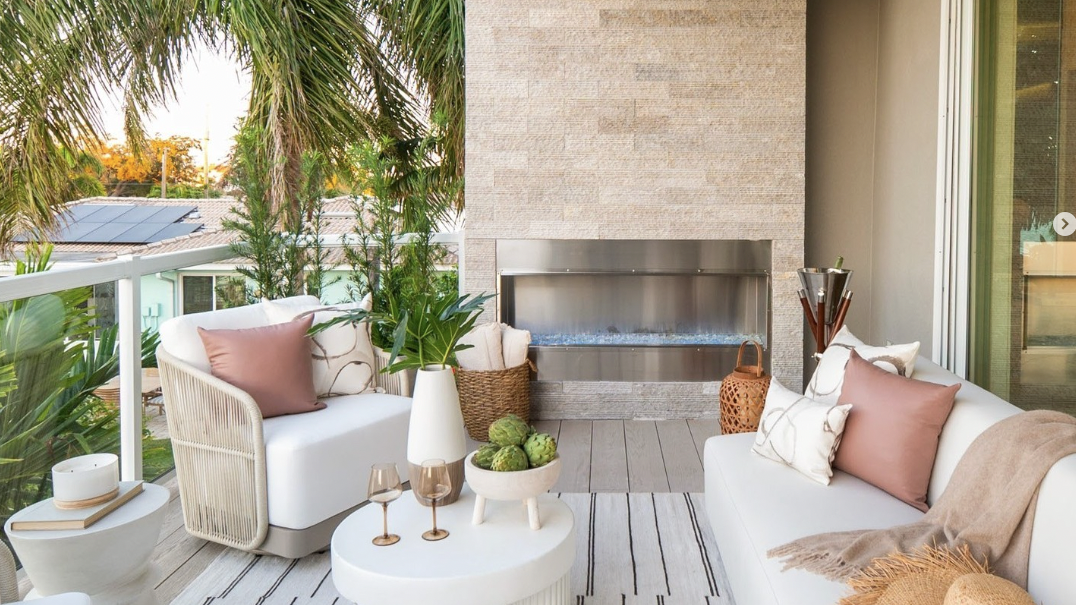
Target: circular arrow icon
[1065,224]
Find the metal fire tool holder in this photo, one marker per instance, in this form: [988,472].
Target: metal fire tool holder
[825,298]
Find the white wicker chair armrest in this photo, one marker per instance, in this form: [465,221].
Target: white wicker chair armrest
[9,584]
[219,449]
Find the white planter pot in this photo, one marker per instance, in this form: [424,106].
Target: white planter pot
[436,429]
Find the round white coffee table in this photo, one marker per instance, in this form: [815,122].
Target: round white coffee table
[500,562]
[110,560]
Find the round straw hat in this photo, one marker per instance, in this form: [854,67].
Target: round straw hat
[986,589]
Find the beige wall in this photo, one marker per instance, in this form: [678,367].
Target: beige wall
[842,84]
[619,119]
[872,137]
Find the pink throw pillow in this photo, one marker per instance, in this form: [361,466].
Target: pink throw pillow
[270,363]
[891,435]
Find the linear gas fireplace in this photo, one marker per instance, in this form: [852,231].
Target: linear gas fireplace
[636,310]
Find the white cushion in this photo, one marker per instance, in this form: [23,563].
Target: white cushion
[317,463]
[754,505]
[486,353]
[342,356]
[800,432]
[825,385]
[179,335]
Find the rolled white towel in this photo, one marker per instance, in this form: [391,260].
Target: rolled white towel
[514,344]
[486,354]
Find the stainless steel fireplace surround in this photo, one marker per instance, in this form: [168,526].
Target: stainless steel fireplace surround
[636,310]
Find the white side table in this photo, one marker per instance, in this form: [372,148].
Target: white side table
[110,560]
[500,562]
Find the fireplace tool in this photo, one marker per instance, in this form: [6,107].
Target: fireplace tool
[825,298]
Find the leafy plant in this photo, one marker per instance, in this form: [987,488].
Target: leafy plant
[281,263]
[49,367]
[427,334]
[395,258]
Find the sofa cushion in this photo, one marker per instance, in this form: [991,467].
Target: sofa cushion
[754,506]
[800,432]
[179,335]
[891,435]
[317,464]
[270,363]
[825,385]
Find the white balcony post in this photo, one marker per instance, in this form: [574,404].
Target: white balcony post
[129,299]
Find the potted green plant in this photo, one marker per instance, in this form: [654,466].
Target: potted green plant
[426,337]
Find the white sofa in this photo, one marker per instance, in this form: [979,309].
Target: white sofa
[755,504]
[279,485]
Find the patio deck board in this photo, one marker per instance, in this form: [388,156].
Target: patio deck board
[701,430]
[574,446]
[683,467]
[646,466]
[608,458]
[664,456]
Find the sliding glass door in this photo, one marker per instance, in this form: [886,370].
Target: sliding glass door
[1023,332]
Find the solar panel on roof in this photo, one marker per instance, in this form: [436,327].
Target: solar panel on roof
[123,224]
[172,214]
[175,230]
[82,211]
[139,214]
[103,234]
[107,214]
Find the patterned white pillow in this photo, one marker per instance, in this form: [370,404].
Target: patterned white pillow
[800,432]
[825,385]
[342,356]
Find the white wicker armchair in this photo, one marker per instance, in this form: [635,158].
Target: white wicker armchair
[224,474]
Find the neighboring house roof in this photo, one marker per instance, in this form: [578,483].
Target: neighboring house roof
[209,215]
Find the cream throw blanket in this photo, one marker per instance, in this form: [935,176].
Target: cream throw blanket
[989,505]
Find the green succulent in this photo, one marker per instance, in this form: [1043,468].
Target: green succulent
[540,448]
[509,458]
[483,458]
[510,430]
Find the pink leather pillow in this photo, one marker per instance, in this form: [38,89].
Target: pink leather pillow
[271,363]
[891,435]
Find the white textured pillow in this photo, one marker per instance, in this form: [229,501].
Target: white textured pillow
[342,356]
[825,385]
[514,345]
[485,353]
[800,432]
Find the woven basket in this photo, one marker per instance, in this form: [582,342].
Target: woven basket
[743,394]
[486,396]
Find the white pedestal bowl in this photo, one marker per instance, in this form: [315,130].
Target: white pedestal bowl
[516,485]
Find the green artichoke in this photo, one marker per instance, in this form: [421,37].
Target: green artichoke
[483,458]
[510,430]
[510,458]
[540,449]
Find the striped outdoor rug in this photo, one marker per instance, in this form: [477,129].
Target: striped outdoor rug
[631,549]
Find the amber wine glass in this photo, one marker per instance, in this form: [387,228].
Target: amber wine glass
[434,483]
[384,487]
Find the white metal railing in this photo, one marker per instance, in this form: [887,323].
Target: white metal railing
[127,271]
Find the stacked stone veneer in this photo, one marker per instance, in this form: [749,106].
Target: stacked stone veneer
[645,119]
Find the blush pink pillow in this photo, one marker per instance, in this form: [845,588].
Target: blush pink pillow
[270,363]
[891,435]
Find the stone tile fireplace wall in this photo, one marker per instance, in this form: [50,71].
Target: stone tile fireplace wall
[655,119]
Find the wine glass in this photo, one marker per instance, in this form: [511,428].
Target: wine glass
[434,483]
[384,487]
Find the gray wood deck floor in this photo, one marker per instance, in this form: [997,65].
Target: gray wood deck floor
[599,456]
